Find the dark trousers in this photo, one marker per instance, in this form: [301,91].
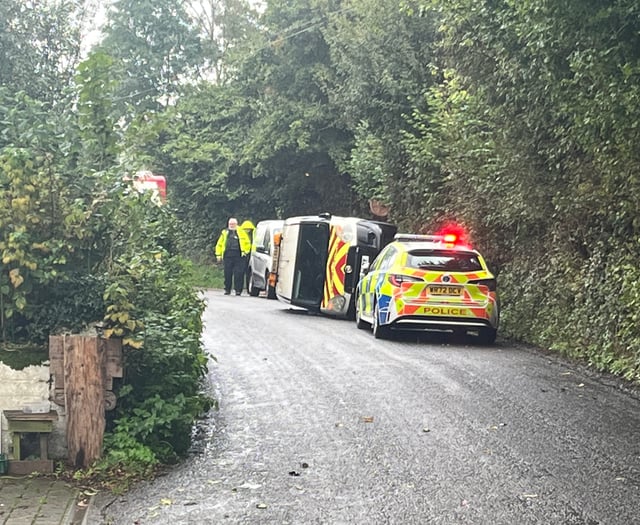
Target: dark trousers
[234,270]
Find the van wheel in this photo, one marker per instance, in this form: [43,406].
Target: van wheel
[271,291]
[379,332]
[253,290]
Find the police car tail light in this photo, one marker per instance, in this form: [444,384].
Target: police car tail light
[490,284]
[398,279]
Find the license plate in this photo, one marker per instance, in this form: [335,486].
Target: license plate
[437,289]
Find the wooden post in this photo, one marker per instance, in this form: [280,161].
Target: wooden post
[84,361]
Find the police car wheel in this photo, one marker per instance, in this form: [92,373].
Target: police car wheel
[379,332]
[487,336]
[360,324]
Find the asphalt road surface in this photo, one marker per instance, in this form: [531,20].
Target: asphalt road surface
[320,423]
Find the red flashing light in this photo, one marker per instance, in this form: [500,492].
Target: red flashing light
[450,238]
[453,234]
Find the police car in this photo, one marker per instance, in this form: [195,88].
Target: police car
[428,282]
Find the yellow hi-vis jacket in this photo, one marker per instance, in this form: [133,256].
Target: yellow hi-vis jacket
[245,242]
[249,228]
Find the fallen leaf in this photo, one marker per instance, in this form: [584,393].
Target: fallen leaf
[426,429]
[368,419]
[250,486]
[530,496]
[165,501]
[261,506]
[294,473]
[580,385]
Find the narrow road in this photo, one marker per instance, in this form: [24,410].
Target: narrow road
[320,423]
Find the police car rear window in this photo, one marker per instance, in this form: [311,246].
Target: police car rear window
[446,261]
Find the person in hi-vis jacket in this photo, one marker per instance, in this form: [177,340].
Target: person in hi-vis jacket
[232,248]
[250,228]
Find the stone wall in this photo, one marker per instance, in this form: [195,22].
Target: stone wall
[30,387]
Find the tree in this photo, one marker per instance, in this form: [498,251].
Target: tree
[156,50]
[382,52]
[534,131]
[227,28]
[96,90]
[40,46]
[297,141]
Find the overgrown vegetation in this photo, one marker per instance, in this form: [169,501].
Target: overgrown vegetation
[80,248]
[516,119]
[205,275]
[22,355]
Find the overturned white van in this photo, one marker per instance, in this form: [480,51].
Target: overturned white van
[318,260]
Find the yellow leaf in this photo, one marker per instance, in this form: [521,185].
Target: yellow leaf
[165,501]
[107,333]
[123,317]
[132,343]
[16,278]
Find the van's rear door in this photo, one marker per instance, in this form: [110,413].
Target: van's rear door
[286,261]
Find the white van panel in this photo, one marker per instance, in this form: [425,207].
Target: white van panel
[287,261]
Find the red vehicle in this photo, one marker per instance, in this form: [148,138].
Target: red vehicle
[148,181]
